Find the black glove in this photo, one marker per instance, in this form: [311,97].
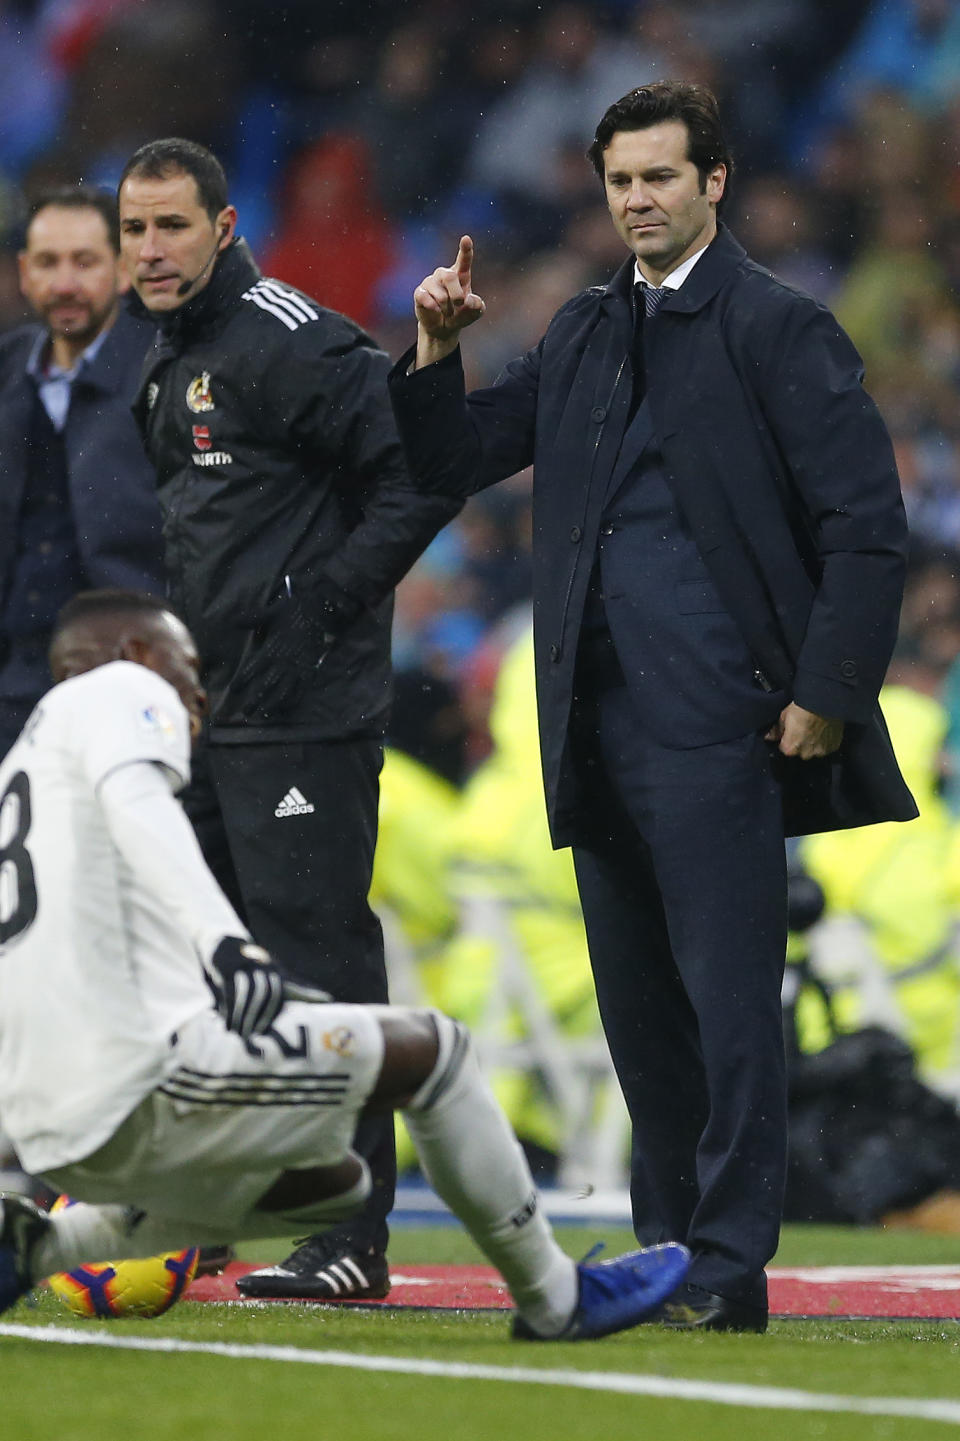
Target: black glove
[247,987]
[282,655]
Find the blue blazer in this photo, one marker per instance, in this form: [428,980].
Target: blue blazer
[779,464]
[112,484]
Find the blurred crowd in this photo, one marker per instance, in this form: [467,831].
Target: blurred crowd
[362,138]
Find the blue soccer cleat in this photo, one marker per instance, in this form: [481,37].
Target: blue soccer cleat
[617,1294]
[22,1224]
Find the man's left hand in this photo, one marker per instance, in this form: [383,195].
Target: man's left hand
[281,657]
[802,734]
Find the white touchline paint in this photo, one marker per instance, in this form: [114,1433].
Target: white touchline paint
[720,1393]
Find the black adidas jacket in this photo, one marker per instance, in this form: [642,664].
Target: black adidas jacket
[267,419]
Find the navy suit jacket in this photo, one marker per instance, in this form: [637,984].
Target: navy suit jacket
[112,484]
[693,678]
[779,465]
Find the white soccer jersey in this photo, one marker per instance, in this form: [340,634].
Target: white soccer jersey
[97,970]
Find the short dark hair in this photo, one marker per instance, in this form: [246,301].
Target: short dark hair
[159,159]
[110,601]
[77,197]
[694,105]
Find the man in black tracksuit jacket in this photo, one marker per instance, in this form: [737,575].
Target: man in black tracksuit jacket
[289,516]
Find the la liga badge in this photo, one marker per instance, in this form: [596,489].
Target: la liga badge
[156,722]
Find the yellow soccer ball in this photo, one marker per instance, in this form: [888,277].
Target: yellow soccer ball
[124,1288]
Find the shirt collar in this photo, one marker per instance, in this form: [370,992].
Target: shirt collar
[41,372]
[675,279]
[234,272]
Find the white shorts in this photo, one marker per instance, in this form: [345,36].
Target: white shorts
[211,1140]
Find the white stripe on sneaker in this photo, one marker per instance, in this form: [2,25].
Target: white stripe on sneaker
[351,1263]
[333,1281]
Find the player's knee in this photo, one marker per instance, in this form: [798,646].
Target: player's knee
[453,1049]
[418,1047]
[409,1055]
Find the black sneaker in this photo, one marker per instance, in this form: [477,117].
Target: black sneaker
[22,1225]
[214,1260]
[322,1268]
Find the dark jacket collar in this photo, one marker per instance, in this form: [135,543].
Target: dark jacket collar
[233,274]
[109,369]
[720,259]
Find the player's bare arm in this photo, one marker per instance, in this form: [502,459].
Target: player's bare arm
[802,734]
[445,304]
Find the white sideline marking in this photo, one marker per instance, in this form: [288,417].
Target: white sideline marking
[719,1392]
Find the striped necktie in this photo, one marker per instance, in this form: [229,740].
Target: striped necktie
[653,298]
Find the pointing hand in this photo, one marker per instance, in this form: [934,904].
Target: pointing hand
[445,303]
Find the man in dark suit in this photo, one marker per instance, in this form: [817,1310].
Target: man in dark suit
[77,493]
[719,545]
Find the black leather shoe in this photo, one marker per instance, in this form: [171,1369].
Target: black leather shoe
[691,1308]
[214,1260]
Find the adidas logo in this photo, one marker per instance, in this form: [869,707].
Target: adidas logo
[294,803]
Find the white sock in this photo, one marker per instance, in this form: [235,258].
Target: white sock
[474,1162]
[83,1235]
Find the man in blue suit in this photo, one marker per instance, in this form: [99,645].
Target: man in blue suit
[719,546]
[77,493]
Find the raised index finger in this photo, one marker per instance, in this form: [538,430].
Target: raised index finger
[464,263]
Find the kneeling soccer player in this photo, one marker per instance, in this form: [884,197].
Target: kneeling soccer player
[183,1124]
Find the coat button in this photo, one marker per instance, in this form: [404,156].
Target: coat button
[606,530]
[598,413]
[848,669]
[576,533]
[554,652]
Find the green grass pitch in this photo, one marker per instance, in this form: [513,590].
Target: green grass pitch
[437,1391]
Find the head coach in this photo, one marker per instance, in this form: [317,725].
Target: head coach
[719,546]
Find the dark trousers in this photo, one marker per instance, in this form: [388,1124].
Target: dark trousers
[24,678]
[684,899]
[13,717]
[300,879]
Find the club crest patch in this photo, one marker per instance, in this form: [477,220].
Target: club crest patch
[341,1039]
[199,395]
